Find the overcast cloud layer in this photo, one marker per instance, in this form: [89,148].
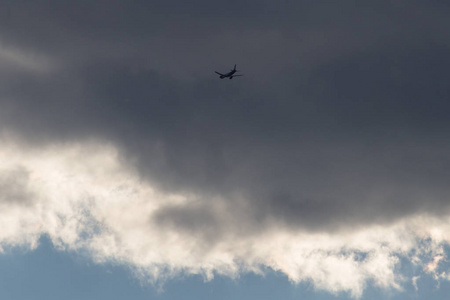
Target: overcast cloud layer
[330,155]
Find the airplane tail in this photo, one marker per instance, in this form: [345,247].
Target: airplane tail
[234,67]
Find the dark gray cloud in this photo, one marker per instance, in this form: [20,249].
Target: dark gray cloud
[342,115]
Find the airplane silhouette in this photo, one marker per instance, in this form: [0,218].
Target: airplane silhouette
[229,74]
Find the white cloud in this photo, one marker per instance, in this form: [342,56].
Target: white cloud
[14,58]
[84,196]
[414,282]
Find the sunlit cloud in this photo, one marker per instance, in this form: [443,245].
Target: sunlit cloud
[84,196]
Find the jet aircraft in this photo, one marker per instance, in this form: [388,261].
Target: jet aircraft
[230,74]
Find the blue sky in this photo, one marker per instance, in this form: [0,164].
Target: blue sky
[127,164]
[47,273]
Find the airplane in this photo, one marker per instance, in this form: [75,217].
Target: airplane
[229,74]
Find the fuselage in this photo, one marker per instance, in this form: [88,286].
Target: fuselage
[229,74]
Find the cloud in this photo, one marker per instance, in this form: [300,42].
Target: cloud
[124,142]
[13,186]
[83,196]
[16,59]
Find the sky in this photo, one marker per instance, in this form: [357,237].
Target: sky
[129,169]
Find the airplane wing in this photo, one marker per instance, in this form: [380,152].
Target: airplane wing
[238,75]
[218,73]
